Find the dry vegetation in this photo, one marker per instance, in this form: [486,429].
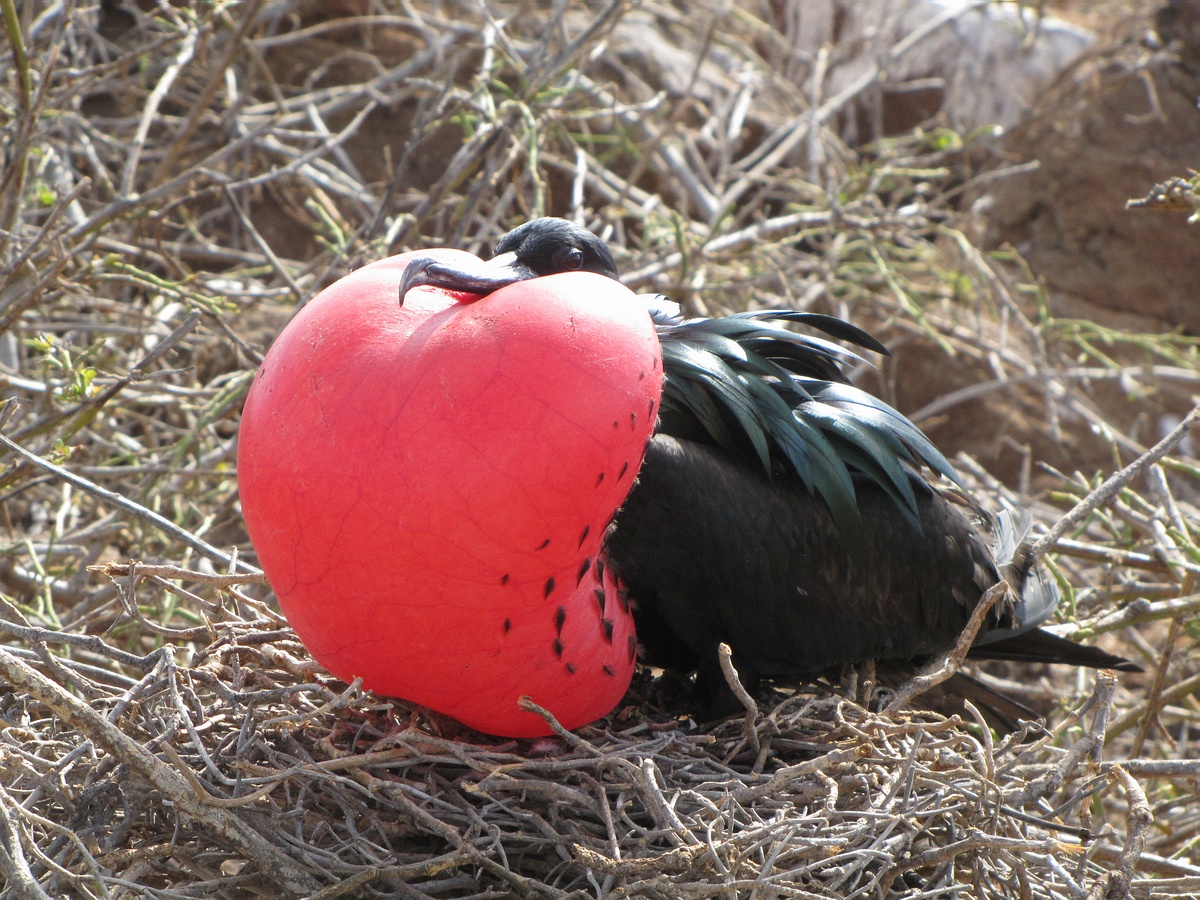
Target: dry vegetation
[173,182]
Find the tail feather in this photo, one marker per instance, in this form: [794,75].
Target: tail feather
[1043,647]
[999,710]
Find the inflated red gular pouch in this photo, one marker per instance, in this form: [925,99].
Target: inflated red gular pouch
[427,487]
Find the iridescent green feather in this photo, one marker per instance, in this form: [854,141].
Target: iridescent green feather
[755,385]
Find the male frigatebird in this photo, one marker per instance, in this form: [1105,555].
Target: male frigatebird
[464,480]
[783,511]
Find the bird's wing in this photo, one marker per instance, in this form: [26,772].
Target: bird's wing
[762,391]
[721,552]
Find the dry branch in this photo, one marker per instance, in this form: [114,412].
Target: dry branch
[170,783]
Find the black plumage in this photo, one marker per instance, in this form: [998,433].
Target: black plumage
[785,512]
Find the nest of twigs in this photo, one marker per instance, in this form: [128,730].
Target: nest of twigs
[175,181]
[237,762]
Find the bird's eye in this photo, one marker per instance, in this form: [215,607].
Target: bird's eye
[569,259]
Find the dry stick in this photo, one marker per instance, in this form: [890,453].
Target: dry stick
[725,657]
[261,243]
[426,820]
[465,161]
[789,136]
[12,25]
[542,70]
[18,149]
[291,112]
[13,864]
[187,48]
[1079,373]
[1171,554]
[91,642]
[107,496]
[987,747]
[337,702]
[645,778]
[426,868]
[969,341]
[1113,485]
[88,230]
[220,582]
[781,779]
[166,780]
[606,815]
[668,153]
[1113,556]
[669,862]
[79,412]
[1161,768]
[526,703]
[202,105]
[919,684]
[1139,612]
[1153,864]
[208,797]
[1161,489]
[44,239]
[1185,688]
[1169,887]
[1154,701]
[1116,883]
[1088,745]
[777,228]
[982,841]
[65,835]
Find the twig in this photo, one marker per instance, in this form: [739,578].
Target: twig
[220,582]
[136,509]
[783,777]
[1139,612]
[1173,694]
[91,642]
[13,864]
[572,740]
[725,657]
[675,860]
[1161,768]
[1112,485]
[12,24]
[426,868]
[204,795]
[646,778]
[187,48]
[1115,884]
[1153,703]
[1088,745]
[74,712]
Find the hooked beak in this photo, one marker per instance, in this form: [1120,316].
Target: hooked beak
[482,278]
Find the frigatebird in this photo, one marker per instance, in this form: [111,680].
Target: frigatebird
[780,509]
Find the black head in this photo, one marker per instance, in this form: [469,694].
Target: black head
[545,246]
[548,246]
